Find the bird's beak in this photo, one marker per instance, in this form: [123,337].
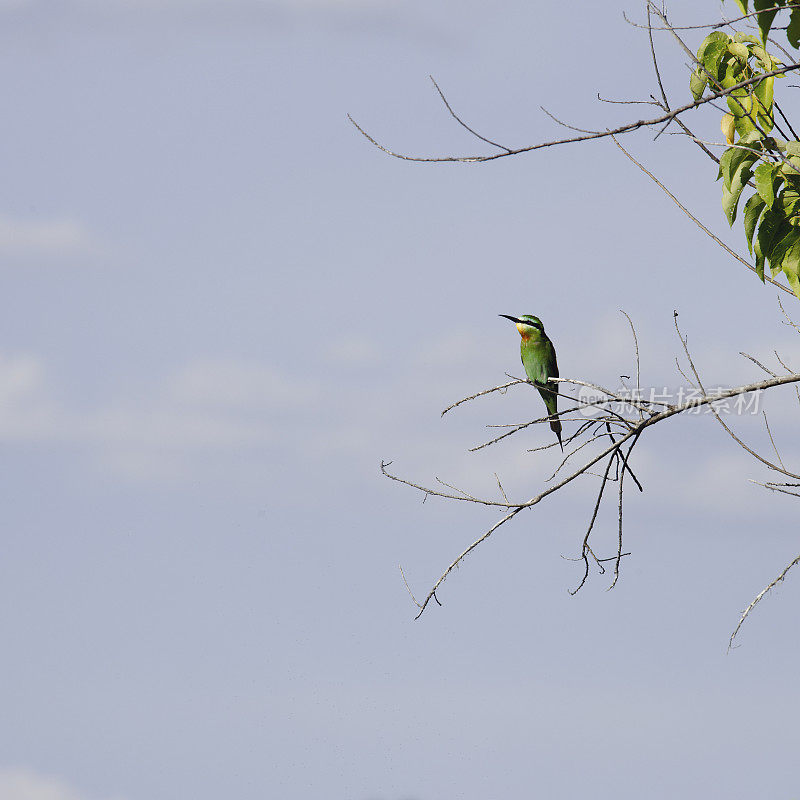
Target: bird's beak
[513,319]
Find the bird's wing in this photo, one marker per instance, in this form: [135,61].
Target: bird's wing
[552,364]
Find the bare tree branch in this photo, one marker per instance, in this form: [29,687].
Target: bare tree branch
[502,389]
[759,597]
[613,434]
[610,452]
[626,128]
[719,419]
[711,25]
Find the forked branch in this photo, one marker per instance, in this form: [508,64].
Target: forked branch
[626,128]
[616,452]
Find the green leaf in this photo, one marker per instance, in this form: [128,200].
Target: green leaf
[715,62]
[733,157]
[792,148]
[740,103]
[788,206]
[767,230]
[725,166]
[763,92]
[782,244]
[786,257]
[753,138]
[697,83]
[731,72]
[791,170]
[746,37]
[730,197]
[739,50]
[739,157]
[762,244]
[793,31]
[789,201]
[717,39]
[743,109]
[764,175]
[794,282]
[765,19]
[760,266]
[712,52]
[752,211]
[744,159]
[763,57]
[760,260]
[742,5]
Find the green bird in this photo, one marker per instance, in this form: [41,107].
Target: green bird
[539,360]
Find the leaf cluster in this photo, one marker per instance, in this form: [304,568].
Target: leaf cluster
[724,61]
[765,18]
[769,165]
[772,214]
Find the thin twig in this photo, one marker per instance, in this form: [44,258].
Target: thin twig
[778,487]
[408,587]
[785,119]
[565,124]
[787,317]
[712,25]
[697,221]
[588,533]
[502,490]
[774,446]
[665,102]
[464,124]
[757,599]
[500,388]
[759,364]
[636,346]
[629,102]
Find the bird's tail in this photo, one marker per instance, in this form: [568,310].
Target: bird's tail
[551,402]
[555,426]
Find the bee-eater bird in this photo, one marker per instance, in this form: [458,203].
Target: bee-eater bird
[539,360]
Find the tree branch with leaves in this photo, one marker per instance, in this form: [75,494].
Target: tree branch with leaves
[760,155]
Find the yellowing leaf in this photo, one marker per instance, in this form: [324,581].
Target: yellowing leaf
[728,127]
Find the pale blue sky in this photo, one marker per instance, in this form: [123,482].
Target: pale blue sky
[223,308]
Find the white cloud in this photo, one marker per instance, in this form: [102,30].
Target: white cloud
[26,413]
[216,414]
[207,406]
[44,238]
[21,784]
